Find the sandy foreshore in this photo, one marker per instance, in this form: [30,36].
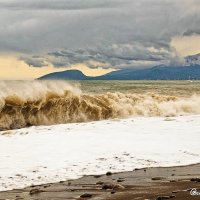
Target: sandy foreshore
[39,155]
[147,183]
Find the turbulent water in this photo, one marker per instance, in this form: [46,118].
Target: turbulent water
[26,103]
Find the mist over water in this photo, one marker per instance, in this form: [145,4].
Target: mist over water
[26,103]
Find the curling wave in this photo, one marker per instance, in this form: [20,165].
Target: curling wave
[24,104]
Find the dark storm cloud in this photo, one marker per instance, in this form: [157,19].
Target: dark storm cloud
[191,32]
[115,55]
[34,61]
[118,33]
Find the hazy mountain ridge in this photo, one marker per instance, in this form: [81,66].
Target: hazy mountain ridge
[155,73]
[65,75]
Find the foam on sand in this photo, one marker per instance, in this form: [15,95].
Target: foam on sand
[38,155]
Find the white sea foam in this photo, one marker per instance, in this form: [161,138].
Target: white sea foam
[42,154]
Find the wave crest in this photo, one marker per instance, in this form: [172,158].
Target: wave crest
[47,103]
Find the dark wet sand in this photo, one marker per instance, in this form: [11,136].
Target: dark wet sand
[145,184]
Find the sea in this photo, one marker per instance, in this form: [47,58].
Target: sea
[51,131]
[33,103]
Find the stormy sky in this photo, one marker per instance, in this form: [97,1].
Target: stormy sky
[103,34]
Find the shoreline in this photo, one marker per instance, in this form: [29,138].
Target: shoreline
[146,183]
[38,155]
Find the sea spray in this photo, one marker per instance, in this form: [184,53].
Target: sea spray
[30,103]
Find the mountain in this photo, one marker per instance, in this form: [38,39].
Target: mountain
[156,73]
[161,72]
[65,75]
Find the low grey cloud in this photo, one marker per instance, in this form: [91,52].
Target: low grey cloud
[59,4]
[34,61]
[191,32]
[117,33]
[117,55]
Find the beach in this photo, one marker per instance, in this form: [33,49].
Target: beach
[147,183]
[99,99]
[61,132]
[45,154]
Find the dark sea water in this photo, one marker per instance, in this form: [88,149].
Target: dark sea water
[175,88]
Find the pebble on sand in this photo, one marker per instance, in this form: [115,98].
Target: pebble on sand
[86,195]
[35,191]
[112,186]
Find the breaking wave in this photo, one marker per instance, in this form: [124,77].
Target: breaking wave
[24,104]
